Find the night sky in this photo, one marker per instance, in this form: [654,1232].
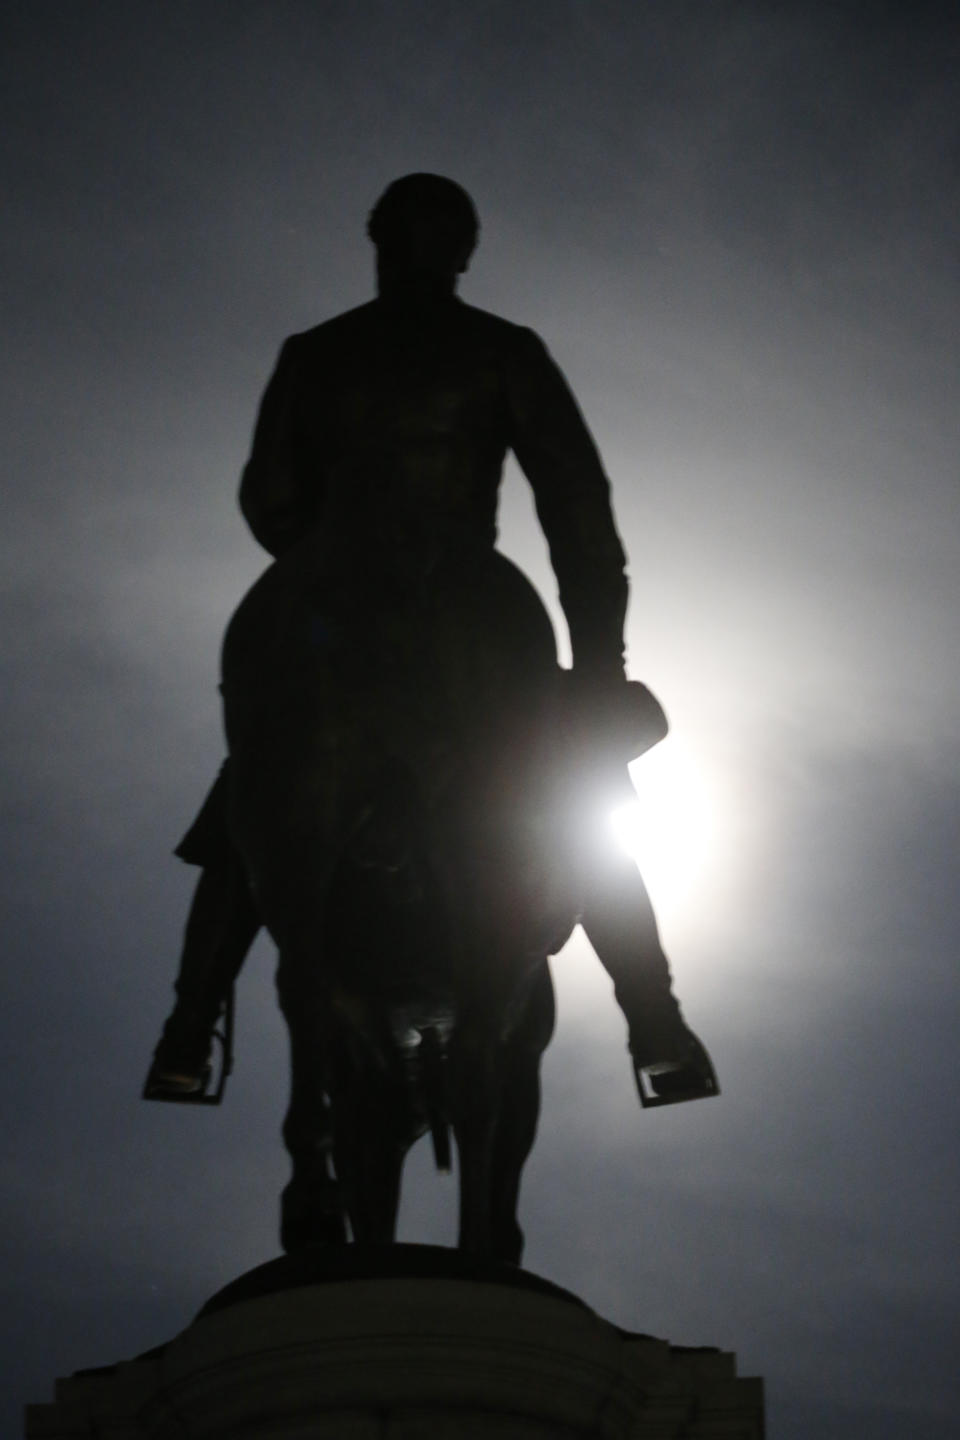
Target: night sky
[736,227]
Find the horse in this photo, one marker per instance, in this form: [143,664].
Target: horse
[394,748]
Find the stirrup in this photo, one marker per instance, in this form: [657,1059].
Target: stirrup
[182,1088]
[670,1082]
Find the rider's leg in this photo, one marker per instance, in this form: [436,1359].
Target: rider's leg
[669,1062]
[620,924]
[221,927]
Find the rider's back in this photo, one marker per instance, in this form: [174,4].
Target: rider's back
[383,434]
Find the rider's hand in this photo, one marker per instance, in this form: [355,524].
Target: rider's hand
[614,720]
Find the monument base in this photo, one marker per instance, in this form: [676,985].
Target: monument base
[406,1342]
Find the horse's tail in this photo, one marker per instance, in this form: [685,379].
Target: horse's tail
[433,1081]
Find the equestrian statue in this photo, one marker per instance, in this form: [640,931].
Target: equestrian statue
[409,770]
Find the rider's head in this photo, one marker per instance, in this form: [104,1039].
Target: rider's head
[425,229]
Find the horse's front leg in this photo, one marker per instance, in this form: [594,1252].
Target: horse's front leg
[518,1114]
[369,1149]
[475,1101]
[311,1207]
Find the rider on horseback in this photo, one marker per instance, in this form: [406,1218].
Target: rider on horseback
[430,393]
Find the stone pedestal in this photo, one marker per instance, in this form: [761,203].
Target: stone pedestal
[409,1343]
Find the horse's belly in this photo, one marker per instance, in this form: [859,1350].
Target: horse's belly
[464,664]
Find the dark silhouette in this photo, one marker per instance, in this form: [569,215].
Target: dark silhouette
[407,763]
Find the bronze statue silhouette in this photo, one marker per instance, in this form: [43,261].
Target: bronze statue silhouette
[399,806]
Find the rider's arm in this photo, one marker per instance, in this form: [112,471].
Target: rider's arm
[272,497]
[572,494]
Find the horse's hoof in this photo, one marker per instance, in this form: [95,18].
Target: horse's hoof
[311,1215]
[295,1237]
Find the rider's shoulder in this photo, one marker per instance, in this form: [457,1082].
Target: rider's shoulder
[352,327]
[330,331]
[496,325]
[505,334]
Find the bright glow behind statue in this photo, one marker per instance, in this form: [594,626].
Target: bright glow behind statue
[670,829]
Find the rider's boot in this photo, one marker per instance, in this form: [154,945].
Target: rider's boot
[670,1063]
[181,1067]
[220,929]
